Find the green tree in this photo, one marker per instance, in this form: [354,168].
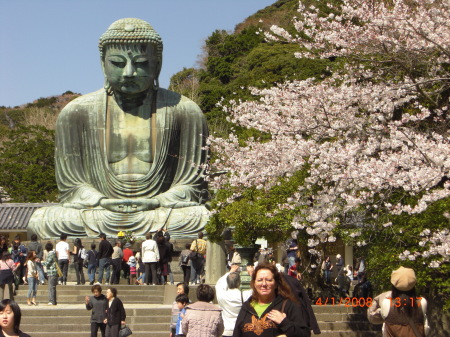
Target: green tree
[27,171]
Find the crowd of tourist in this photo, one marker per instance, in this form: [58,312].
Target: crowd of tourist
[275,305]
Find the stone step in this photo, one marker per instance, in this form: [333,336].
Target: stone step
[85,332]
[45,311]
[346,333]
[82,319]
[63,326]
[327,309]
[143,291]
[76,294]
[347,325]
[80,299]
[164,333]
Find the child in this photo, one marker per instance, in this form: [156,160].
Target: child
[132,263]
[182,300]
[140,269]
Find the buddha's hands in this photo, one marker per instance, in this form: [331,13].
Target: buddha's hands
[129,205]
[183,204]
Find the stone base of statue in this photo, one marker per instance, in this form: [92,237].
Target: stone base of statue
[48,222]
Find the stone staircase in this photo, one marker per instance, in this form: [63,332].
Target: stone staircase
[148,316]
[73,294]
[339,321]
[74,322]
[146,313]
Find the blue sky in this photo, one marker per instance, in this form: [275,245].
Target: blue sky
[50,46]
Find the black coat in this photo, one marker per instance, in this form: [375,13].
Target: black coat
[105,250]
[304,302]
[116,312]
[164,252]
[293,325]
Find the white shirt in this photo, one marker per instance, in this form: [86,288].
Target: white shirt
[230,301]
[150,251]
[62,250]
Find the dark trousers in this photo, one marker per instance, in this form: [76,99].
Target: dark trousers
[112,330]
[94,329]
[186,273]
[64,266]
[10,291]
[79,272]
[116,266]
[150,266]
[126,270]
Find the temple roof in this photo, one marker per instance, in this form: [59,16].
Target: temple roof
[15,216]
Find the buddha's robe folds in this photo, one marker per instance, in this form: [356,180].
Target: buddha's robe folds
[84,175]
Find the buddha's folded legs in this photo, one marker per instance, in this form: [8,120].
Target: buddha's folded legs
[51,221]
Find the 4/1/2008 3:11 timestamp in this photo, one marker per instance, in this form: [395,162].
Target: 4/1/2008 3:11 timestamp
[345,301]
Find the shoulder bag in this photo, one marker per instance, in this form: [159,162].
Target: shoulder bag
[282,311]
[411,324]
[58,270]
[195,255]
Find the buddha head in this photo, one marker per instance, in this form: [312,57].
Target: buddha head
[131,56]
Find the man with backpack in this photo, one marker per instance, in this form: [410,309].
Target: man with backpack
[91,262]
[198,248]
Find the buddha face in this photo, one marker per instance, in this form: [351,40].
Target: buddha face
[130,69]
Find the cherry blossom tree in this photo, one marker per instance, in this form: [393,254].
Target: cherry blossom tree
[373,136]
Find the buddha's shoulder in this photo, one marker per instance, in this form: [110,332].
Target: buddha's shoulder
[85,102]
[170,99]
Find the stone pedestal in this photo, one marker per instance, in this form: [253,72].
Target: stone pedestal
[215,262]
[247,254]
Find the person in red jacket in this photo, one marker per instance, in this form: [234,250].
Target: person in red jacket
[127,253]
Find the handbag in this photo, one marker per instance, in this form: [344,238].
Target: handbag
[16,278]
[125,331]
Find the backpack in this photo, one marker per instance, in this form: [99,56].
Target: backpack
[82,254]
[184,259]
[86,257]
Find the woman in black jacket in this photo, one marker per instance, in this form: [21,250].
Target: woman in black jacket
[272,309]
[115,313]
[78,259]
[164,255]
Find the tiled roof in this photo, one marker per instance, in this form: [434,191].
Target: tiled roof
[15,216]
